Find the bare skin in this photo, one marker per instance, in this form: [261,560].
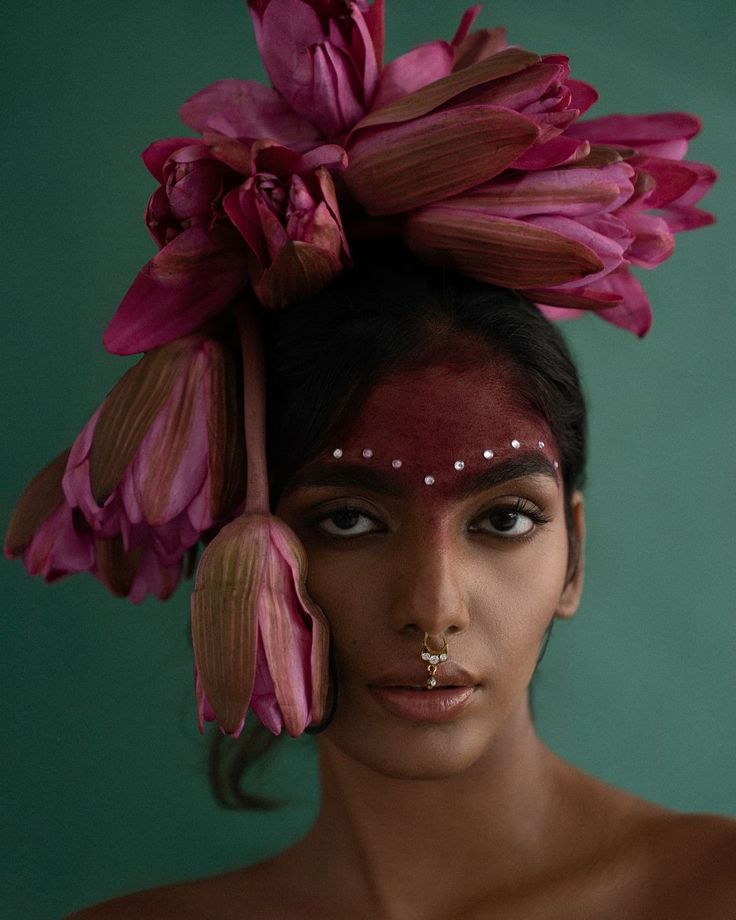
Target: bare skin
[470,817]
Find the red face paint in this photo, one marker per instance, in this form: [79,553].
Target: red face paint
[434,427]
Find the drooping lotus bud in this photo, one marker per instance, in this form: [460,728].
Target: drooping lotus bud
[159,463]
[259,640]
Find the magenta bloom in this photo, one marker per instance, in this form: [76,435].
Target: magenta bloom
[201,266]
[323,56]
[158,464]
[259,640]
[288,215]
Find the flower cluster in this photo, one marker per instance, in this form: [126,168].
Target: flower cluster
[471,151]
[160,462]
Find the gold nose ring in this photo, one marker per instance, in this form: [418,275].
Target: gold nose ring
[433,657]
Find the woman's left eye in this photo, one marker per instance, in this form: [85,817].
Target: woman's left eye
[516,520]
[346,522]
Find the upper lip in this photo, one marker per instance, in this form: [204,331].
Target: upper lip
[448,674]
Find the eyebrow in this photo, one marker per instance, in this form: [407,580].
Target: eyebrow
[321,475]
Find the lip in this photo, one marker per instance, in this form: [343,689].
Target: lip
[404,693]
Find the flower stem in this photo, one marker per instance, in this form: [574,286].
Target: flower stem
[254,401]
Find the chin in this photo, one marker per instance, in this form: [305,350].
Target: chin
[405,751]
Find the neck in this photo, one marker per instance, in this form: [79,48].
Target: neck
[399,838]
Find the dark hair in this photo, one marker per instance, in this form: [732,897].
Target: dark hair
[325,355]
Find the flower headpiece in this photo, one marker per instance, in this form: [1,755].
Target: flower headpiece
[469,151]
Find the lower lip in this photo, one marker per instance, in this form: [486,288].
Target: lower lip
[438,705]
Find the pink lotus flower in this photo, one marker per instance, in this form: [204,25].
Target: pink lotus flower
[323,56]
[201,267]
[530,230]
[261,642]
[287,213]
[508,110]
[662,185]
[158,464]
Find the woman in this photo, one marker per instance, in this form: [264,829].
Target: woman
[437,637]
[444,802]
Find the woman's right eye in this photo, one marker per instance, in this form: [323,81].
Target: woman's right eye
[347,522]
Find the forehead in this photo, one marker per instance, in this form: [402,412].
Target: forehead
[436,426]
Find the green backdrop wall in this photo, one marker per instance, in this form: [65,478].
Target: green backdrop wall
[105,779]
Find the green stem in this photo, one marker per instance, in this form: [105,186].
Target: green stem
[254,404]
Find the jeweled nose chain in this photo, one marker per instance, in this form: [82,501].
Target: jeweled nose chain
[433,657]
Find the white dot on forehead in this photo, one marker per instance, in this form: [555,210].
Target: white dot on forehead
[556,465]
[459,464]
[367,453]
[396,464]
[515,444]
[541,444]
[337,453]
[488,454]
[429,480]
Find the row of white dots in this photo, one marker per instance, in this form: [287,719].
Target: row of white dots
[488,454]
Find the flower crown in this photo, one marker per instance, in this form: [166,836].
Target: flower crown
[471,152]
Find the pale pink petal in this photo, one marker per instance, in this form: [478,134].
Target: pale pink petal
[57,548]
[663,134]
[250,111]
[634,313]
[653,241]
[413,70]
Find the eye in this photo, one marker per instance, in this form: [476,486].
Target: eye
[515,520]
[347,522]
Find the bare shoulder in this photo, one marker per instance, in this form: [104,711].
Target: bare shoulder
[692,864]
[218,897]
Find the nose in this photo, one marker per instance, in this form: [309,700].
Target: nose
[429,594]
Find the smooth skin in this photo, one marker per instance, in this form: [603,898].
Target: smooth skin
[473,817]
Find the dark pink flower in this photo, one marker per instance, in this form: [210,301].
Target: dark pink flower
[159,463]
[323,56]
[508,110]
[201,266]
[288,215]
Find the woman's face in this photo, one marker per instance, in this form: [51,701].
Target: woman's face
[440,510]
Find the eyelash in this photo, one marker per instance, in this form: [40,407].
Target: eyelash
[520,506]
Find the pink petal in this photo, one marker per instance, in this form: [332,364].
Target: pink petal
[57,549]
[193,278]
[583,95]
[685,218]
[556,314]
[248,110]
[397,168]
[374,21]
[287,643]
[661,134]
[607,237]
[157,153]
[555,152]
[634,313]
[466,23]
[412,70]
[332,101]
[653,242]
[564,192]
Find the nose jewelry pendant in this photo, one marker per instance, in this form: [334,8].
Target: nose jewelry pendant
[433,657]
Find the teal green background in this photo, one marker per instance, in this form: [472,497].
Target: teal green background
[104,767]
